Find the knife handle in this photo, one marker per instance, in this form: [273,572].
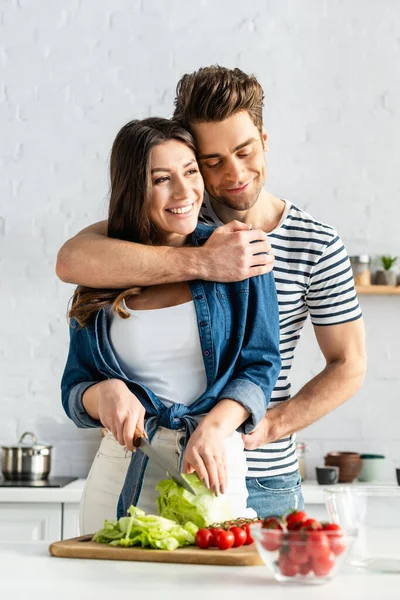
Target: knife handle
[137,436]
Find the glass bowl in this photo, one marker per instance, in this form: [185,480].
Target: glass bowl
[375,512]
[287,554]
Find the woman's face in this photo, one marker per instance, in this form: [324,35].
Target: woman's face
[177,191]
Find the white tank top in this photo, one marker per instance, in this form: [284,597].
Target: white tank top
[160,348]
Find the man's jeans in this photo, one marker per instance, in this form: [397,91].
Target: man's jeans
[275,495]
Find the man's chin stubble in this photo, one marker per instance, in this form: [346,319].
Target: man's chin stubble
[238,205]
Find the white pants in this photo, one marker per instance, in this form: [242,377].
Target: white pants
[107,475]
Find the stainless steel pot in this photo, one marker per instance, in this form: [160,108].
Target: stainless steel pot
[26,461]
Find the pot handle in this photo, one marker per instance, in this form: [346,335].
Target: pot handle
[33,436]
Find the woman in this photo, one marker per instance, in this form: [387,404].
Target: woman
[190,364]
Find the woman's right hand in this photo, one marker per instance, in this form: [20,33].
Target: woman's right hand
[205,455]
[118,409]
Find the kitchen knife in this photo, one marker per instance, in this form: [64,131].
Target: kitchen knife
[142,444]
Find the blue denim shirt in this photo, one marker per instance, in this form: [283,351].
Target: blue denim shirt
[239,336]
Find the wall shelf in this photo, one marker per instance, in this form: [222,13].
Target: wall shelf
[378,290]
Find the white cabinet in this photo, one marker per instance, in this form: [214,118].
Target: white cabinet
[70,521]
[20,522]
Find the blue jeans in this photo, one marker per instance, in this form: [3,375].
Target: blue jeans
[275,495]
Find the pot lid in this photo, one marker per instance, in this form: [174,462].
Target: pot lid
[35,444]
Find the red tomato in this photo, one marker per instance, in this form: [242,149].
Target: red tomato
[272,540]
[249,539]
[298,552]
[271,523]
[295,518]
[240,536]
[332,527]
[305,568]
[214,531]
[335,533]
[224,539]
[286,566]
[317,544]
[310,524]
[203,538]
[322,565]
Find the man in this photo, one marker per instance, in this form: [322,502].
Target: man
[223,109]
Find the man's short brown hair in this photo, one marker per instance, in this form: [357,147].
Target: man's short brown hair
[216,93]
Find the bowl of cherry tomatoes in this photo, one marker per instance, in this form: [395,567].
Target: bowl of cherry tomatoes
[297,548]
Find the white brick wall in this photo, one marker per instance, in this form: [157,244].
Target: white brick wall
[74,72]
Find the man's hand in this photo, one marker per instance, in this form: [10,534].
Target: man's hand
[234,252]
[258,437]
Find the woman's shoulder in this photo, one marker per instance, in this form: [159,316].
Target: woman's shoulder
[99,319]
[201,234]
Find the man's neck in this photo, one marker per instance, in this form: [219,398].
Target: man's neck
[265,214]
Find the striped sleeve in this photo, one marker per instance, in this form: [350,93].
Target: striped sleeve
[331,296]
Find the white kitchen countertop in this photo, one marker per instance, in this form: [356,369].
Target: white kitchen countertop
[71,493]
[28,571]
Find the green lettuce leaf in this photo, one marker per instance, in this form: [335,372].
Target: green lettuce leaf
[202,509]
[147,531]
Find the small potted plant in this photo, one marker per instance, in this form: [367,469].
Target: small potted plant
[387,276]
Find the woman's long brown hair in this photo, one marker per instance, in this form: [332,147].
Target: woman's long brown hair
[128,215]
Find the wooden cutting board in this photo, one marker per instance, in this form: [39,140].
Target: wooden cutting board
[83,547]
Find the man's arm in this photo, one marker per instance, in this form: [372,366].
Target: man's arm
[343,347]
[92,259]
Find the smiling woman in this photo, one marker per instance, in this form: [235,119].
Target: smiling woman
[166,360]
[177,192]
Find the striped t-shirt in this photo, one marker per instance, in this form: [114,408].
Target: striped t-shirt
[313,276]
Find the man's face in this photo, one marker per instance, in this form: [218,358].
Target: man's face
[232,162]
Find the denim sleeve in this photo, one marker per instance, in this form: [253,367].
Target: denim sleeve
[259,362]
[80,374]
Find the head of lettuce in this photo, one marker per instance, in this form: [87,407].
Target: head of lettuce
[181,514]
[202,509]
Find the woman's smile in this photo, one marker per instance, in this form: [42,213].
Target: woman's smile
[181,211]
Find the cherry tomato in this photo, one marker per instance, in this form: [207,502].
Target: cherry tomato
[271,523]
[311,524]
[240,536]
[335,533]
[224,539]
[295,518]
[298,552]
[272,540]
[305,568]
[322,565]
[317,544]
[286,566]
[214,531]
[332,527]
[203,538]
[249,538]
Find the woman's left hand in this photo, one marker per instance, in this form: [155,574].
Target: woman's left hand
[205,455]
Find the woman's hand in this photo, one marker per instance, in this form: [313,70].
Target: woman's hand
[117,408]
[205,454]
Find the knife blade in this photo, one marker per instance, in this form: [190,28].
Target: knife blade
[142,444]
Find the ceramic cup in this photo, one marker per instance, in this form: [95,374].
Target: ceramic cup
[327,475]
[349,464]
[371,467]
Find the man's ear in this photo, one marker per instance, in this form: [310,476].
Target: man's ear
[264,138]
